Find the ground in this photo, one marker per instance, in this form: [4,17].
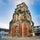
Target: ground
[21,38]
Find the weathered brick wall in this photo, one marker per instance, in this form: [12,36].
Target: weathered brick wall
[26,29]
[23,17]
[14,31]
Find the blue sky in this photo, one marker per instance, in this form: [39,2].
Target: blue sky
[7,8]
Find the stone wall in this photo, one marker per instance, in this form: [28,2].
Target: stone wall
[21,22]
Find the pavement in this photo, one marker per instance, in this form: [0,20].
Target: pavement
[21,38]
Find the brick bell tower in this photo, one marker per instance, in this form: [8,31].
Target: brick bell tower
[20,24]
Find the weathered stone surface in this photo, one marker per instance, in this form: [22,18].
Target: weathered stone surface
[21,21]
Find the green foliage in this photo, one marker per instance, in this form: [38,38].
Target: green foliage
[30,31]
[26,19]
[17,14]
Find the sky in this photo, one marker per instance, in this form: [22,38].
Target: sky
[7,8]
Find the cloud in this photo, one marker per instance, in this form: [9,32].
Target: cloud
[36,19]
[3,25]
[28,2]
[13,3]
[16,2]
